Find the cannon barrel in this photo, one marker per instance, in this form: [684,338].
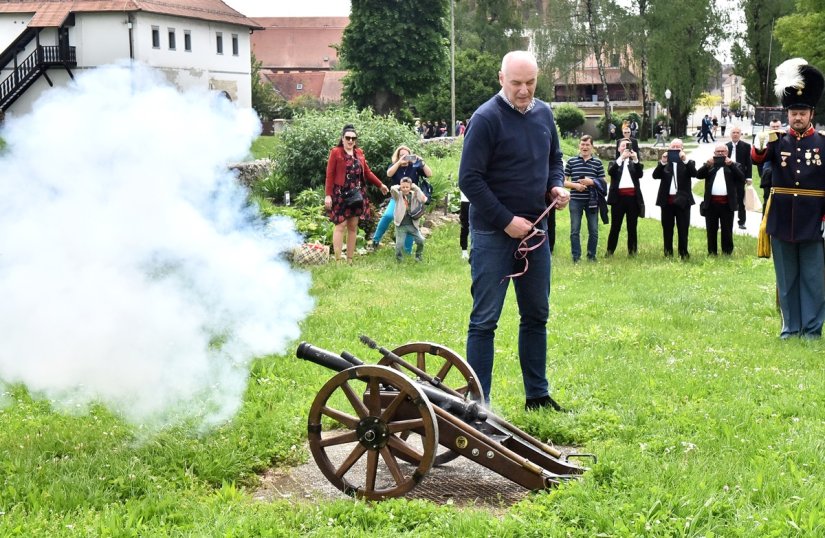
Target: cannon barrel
[322,357]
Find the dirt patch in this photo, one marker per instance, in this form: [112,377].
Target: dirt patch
[461,482]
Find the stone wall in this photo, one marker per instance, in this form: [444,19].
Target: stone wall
[607,152]
[253,171]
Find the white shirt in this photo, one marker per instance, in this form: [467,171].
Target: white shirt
[673,181]
[720,188]
[626,182]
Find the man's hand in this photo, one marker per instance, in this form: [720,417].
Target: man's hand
[519,227]
[561,196]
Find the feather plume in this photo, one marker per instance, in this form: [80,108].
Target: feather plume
[788,74]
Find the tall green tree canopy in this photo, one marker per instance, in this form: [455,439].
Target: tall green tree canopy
[755,52]
[492,26]
[682,42]
[393,50]
[476,80]
[802,32]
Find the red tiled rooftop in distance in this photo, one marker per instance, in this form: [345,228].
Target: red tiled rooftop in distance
[298,42]
[50,13]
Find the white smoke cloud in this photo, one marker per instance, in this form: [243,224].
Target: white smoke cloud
[131,271]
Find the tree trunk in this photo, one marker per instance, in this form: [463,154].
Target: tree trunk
[596,46]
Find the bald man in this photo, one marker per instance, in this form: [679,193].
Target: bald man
[511,166]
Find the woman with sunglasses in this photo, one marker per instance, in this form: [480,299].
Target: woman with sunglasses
[347,172]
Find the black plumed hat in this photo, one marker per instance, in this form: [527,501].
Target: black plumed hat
[798,84]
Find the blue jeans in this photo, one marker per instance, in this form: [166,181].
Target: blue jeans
[384,223]
[577,207]
[490,260]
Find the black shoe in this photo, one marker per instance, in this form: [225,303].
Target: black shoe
[545,401]
[743,227]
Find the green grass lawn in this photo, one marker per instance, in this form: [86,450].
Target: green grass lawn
[704,422]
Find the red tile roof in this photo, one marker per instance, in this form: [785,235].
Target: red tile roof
[298,42]
[322,85]
[49,13]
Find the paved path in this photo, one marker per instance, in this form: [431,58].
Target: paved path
[700,154]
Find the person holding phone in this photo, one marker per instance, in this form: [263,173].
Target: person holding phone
[724,180]
[675,196]
[584,178]
[404,164]
[624,198]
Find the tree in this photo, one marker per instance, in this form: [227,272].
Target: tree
[265,101]
[681,44]
[393,50]
[476,80]
[802,33]
[756,53]
[491,26]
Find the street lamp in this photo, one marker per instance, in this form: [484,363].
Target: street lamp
[668,94]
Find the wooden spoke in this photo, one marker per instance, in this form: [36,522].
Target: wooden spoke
[344,418]
[404,448]
[406,425]
[372,470]
[421,360]
[392,465]
[393,406]
[340,439]
[353,457]
[355,400]
[373,397]
[442,374]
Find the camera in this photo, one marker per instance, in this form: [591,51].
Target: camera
[410,158]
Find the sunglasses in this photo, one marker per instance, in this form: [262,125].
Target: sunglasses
[350,138]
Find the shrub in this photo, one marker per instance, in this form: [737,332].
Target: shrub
[303,149]
[569,118]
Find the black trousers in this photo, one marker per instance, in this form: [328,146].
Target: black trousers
[719,217]
[624,206]
[740,192]
[464,219]
[671,213]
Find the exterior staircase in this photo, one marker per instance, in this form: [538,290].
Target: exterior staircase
[26,72]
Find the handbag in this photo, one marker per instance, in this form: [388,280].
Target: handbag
[352,197]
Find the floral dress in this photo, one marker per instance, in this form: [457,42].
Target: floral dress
[354,178]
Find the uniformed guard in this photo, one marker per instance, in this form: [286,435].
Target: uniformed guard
[795,213]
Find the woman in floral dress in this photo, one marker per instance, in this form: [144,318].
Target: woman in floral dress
[347,170]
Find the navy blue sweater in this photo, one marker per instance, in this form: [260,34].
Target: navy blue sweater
[510,160]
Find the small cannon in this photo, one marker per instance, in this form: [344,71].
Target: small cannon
[368,417]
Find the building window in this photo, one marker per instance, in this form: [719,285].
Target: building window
[155,37]
[234,44]
[219,42]
[187,41]
[172,41]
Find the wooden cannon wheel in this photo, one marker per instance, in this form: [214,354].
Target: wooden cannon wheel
[369,409]
[445,364]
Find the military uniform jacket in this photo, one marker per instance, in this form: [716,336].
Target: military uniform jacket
[797,163]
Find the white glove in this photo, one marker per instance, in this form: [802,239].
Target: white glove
[761,141]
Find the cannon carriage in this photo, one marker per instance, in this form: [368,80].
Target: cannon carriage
[376,430]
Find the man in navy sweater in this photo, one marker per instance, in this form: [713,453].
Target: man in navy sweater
[511,166]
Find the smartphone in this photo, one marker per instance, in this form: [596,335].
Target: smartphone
[718,161]
[673,155]
[410,158]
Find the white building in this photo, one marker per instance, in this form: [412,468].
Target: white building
[195,43]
